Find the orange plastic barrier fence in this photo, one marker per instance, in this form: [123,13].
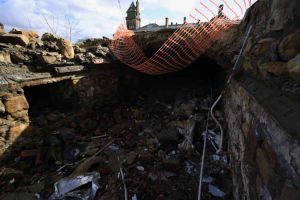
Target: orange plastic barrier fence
[187,43]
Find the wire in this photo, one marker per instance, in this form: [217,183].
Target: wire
[227,83]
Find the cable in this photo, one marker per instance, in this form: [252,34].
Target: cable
[227,83]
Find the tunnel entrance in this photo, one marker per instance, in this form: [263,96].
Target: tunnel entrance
[49,102]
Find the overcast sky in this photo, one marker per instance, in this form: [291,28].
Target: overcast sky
[90,18]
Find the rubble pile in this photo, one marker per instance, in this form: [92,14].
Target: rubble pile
[49,53]
[149,147]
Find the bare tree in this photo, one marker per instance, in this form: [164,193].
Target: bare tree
[71,27]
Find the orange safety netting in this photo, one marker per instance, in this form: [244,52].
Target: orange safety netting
[186,44]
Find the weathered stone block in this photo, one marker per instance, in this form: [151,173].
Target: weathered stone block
[23,114]
[2,107]
[66,48]
[15,104]
[289,47]
[16,39]
[5,57]
[16,131]
[31,35]
[293,67]
[275,68]
[50,57]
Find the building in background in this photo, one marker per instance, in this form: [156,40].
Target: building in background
[133,18]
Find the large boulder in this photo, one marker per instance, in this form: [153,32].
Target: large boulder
[15,39]
[289,47]
[31,35]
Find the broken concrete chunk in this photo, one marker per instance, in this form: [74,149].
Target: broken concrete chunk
[15,39]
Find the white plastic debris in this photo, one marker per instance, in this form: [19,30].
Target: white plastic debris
[189,168]
[114,147]
[207,179]
[12,181]
[65,187]
[140,168]
[215,191]
[134,197]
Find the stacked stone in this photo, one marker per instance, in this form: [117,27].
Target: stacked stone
[14,109]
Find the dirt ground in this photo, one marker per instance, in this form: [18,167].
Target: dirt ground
[150,144]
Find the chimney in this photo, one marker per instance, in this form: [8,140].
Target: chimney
[167,22]
[221,8]
[184,20]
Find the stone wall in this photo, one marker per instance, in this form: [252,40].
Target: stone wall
[264,152]
[87,91]
[14,116]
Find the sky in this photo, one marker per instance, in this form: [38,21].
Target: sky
[89,18]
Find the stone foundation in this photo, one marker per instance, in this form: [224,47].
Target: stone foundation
[86,91]
[263,142]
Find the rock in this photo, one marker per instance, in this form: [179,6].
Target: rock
[50,37]
[5,57]
[77,49]
[80,58]
[2,107]
[19,57]
[50,46]
[31,35]
[19,195]
[50,57]
[289,47]
[17,103]
[16,131]
[52,117]
[171,164]
[275,68]
[279,15]
[36,44]
[10,173]
[1,27]
[293,68]
[66,48]
[23,115]
[99,50]
[168,136]
[15,39]
[264,46]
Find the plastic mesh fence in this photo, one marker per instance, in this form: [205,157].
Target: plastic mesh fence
[187,43]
